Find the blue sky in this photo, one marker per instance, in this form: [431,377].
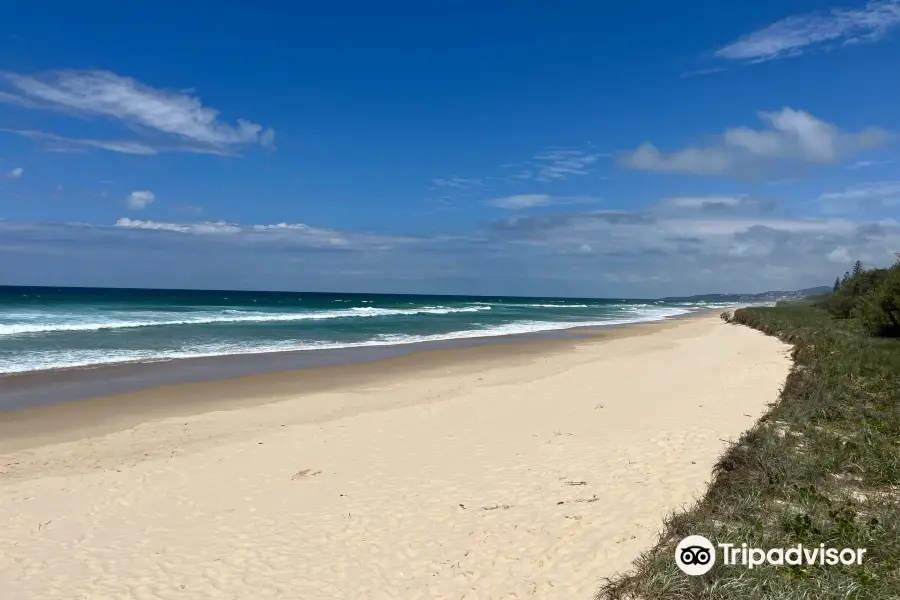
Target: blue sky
[530,148]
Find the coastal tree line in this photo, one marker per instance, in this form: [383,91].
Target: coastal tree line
[871,296]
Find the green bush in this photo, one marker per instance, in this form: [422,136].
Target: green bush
[880,312]
[853,292]
[839,304]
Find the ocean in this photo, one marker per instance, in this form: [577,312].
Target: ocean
[45,328]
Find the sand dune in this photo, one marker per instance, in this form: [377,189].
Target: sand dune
[534,476]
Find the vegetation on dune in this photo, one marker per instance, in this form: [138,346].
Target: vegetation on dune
[870,295]
[821,467]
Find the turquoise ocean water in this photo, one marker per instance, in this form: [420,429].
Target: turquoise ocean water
[53,328]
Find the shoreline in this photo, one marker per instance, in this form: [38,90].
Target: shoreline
[96,414]
[532,469]
[31,389]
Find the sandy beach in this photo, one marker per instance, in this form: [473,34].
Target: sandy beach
[504,471]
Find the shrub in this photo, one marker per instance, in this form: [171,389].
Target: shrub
[880,312]
[853,291]
[840,304]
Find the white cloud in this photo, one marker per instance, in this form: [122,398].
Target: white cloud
[15,173]
[700,72]
[521,201]
[560,163]
[660,250]
[189,208]
[552,164]
[703,202]
[864,164]
[289,233]
[199,228]
[702,251]
[57,143]
[140,200]
[460,183]
[136,105]
[797,34]
[867,196]
[840,255]
[791,136]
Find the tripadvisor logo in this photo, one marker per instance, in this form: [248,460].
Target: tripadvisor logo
[696,555]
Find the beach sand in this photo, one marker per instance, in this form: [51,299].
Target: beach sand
[507,471]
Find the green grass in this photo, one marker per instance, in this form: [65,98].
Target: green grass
[822,466]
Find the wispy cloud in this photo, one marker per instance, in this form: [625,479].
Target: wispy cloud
[15,173]
[189,208]
[734,203]
[688,244]
[701,72]
[549,165]
[139,200]
[561,163]
[864,164]
[459,183]
[174,115]
[703,201]
[63,144]
[790,136]
[523,201]
[866,196]
[200,228]
[278,233]
[795,35]
[723,243]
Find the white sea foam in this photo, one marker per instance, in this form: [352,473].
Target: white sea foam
[552,305]
[228,316]
[38,361]
[511,305]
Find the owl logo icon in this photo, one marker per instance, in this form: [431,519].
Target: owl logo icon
[695,555]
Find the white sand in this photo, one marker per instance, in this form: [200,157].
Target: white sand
[528,479]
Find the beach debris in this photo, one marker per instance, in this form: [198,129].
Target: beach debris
[599,406]
[594,498]
[304,474]
[560,502]
[462,506]
[576,483]
[496,506]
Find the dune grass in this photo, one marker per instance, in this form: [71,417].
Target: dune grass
[822,466]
